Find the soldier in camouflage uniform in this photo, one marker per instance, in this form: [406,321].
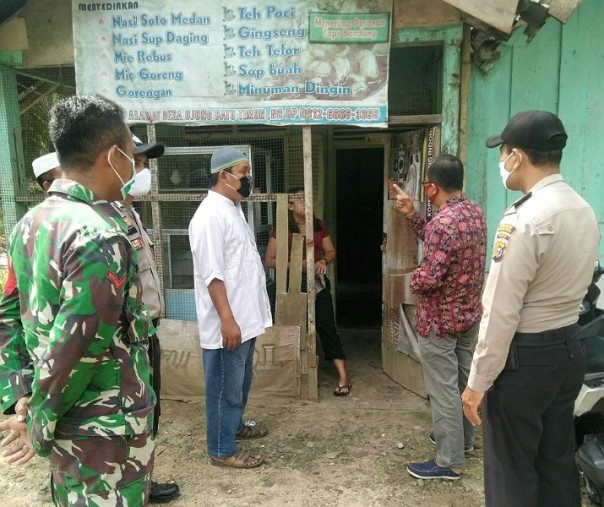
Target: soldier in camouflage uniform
[15,364]
[82,318]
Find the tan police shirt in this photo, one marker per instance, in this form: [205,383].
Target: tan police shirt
[543,258]
[152,295]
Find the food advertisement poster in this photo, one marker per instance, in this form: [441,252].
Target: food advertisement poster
[202,62]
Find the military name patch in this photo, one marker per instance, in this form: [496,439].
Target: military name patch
[504,232]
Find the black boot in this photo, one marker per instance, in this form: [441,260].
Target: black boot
[161,493]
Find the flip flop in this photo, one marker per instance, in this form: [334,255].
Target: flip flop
[342,390]
[243,459]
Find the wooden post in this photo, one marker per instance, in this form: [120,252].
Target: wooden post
[464,92]
[310,349]
[282,254]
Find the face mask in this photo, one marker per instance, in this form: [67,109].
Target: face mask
[142,183]
[432,197]
[246,185]
[125,189]
[503,172]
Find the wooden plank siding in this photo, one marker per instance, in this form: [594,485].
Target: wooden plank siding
[450,37]
[561,70]
[496,13]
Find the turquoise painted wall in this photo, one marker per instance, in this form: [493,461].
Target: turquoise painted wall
[560,70]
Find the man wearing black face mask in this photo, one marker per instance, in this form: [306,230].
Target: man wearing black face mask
[232,306]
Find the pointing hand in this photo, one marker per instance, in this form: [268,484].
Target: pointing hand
[402,202]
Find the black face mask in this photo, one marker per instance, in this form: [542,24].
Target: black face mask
[246,187]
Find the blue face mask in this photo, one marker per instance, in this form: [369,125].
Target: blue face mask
[126,186]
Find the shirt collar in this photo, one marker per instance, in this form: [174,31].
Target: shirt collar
[72,189]
[548,180]
[212,194]
[79,192]
[453,200]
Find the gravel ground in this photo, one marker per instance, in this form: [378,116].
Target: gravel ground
[349,451]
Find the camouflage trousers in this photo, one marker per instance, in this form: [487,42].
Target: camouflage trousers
[102,471]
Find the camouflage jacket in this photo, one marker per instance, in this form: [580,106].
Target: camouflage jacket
[16,371]
[82,320]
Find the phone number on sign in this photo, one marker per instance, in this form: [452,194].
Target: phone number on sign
[339,113]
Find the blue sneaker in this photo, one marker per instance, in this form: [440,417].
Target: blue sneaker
[430,470]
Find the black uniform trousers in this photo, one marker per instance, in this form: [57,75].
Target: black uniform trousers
[528,431]
[155,360]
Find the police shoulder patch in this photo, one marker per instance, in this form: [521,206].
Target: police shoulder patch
[504,232]
[137,243]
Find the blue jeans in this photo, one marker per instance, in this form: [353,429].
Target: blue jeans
[228,378]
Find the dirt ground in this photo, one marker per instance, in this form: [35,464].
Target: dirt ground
[349,451]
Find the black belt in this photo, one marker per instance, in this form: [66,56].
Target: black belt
[551,337]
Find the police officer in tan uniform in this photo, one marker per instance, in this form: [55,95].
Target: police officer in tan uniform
[152,293]
[528,365]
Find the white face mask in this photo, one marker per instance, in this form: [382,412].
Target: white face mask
[142,183]
[125,189]
[503,172]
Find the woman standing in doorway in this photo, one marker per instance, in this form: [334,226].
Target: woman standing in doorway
[325,253]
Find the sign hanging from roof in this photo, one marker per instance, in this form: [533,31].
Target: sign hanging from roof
[196,62]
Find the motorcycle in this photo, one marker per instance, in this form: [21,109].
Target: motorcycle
[589,405]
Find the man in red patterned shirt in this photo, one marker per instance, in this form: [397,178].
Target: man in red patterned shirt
[449,284]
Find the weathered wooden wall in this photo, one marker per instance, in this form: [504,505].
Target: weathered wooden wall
[561,70]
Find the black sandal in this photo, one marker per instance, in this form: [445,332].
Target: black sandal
[342,390]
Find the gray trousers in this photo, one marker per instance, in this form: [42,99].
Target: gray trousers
[446,362]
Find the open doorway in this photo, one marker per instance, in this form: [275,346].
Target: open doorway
[359,184]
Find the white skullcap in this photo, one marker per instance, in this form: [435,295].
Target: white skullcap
[45,163]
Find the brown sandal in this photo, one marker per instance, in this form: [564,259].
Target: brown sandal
[342,390]
[243,459]
[252,429]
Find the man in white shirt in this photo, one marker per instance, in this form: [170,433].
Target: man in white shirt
[232,306]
